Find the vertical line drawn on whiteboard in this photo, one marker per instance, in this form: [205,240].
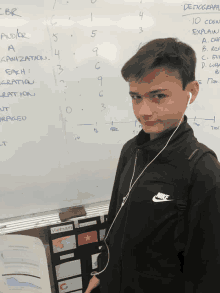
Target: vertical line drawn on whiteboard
[51,48]
[54,3]
[54,76]
[63,124]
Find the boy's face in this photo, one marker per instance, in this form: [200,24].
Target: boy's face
[165,107]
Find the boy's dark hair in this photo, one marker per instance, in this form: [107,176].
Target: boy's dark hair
[168,53]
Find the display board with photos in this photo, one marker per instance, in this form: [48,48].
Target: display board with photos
[74,248]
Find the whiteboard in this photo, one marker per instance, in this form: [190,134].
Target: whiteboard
[65,108]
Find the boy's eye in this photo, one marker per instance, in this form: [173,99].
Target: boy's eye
[160,96]
[134,97]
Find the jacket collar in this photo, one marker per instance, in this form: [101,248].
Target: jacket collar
[154,146]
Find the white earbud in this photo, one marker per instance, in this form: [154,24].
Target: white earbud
[189,98]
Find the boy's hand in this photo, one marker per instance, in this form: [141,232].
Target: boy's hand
[93,283]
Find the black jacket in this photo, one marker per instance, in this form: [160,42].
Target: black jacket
[142,243]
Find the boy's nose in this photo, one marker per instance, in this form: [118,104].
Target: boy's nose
[145,111]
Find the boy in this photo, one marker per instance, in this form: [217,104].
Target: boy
[150,248]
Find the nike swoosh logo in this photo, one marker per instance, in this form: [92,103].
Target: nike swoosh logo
[160,197]
[160,200]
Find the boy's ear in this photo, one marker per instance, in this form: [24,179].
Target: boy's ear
[193,88]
